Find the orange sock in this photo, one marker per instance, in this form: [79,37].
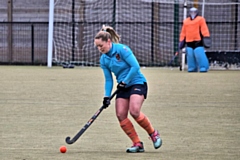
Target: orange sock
[144,122]
[128,128]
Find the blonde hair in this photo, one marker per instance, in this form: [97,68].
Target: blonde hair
[106,33]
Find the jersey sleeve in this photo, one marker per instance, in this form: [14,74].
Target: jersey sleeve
[131,60]
[108,78]
[183,33]
[204,28]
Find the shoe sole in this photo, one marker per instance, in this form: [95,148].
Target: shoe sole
[137,151]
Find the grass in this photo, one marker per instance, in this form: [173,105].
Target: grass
[197,114]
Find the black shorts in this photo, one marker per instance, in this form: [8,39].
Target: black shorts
[140,89]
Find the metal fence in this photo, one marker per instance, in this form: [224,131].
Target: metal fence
[24,42]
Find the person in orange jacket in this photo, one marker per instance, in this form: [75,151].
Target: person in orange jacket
[196,36]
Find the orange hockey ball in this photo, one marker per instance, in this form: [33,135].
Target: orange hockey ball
[63,149]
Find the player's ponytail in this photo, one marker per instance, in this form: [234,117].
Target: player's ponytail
[106,33]
[114,36]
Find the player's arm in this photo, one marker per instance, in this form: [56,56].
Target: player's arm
[205,33]
[132,61]
[108,79]
[182,37]
[204,28]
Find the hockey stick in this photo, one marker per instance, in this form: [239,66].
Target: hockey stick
[175,55]
[90,121]
[68,65]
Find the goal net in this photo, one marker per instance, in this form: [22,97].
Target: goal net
[150,28]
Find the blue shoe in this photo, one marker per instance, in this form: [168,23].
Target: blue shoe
[137,147]
[157,141]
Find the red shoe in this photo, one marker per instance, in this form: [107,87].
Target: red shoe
[137,147]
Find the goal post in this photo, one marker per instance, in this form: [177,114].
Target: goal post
[182,67]
[50,33]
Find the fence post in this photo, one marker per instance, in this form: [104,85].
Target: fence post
[152,34]
[236,25]
[32,42]
[176,26]
[114,15]
[10,30]
[73,30]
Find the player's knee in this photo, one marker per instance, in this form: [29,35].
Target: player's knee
[134,112]
[121,117]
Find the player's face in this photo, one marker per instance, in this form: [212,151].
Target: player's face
[193,14]
[103,46]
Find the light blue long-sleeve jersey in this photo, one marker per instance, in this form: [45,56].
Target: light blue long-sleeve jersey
[121,61]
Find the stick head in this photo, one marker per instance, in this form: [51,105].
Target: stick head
[68,141]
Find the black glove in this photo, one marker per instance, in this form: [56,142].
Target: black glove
[207,42]
[181,44]
[121,86]
[106,102]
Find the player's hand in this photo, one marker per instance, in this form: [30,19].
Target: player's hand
[106,102]
[121,86]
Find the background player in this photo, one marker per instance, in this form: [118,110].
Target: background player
[196,36]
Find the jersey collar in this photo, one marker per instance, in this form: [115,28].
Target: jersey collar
[111,51]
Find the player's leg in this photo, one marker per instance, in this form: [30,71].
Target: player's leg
[122,106]
[191,61]
[138,94]
[201,59]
